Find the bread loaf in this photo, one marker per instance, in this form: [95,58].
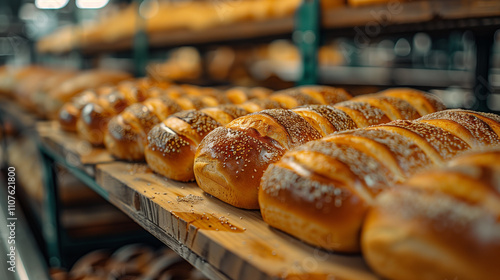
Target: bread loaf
[440,224]
[172,144]
[263,139]
[310,95]
[84,80]
[320,192]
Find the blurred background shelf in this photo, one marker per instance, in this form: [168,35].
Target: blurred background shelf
[239,33]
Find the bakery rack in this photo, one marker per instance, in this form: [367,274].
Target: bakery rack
[45,214]
[220,240]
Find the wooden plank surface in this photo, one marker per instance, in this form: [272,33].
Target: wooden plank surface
[235,242]
[69,146]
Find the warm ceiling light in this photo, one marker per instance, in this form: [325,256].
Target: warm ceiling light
[91,4]
[51,4]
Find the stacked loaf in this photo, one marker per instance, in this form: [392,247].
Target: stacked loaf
[440,224]
[320,192]
[172,144]
[230,161]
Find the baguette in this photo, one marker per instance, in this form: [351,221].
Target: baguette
[265,138]
[320,192]
[440,224]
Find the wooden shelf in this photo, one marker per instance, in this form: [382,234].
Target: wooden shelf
[224,34]
[371,21]
[75,151]
[222,241]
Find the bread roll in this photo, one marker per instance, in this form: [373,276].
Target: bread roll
[125,136]
[321,191]
[172,144]
[71,111]
[441,224]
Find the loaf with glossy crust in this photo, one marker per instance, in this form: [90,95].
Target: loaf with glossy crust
[240,95]
[321,191]
[441,224]
[423,103]
[310,95]
[172,144]
[126,133]
[221,176]
[70,111]
[230,161]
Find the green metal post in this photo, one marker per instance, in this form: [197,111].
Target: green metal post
[141,45]
[50,215]
[307,36]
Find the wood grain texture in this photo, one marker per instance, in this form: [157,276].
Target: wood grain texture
[236,243]
[75,151]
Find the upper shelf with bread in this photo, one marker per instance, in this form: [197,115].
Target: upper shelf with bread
[211,22]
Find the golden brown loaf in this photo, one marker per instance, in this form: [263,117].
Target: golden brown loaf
[310,95]
[70,112]
[440,224]
[239,95]
[125,136]
[234,175]
[172,144]
[320,192]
